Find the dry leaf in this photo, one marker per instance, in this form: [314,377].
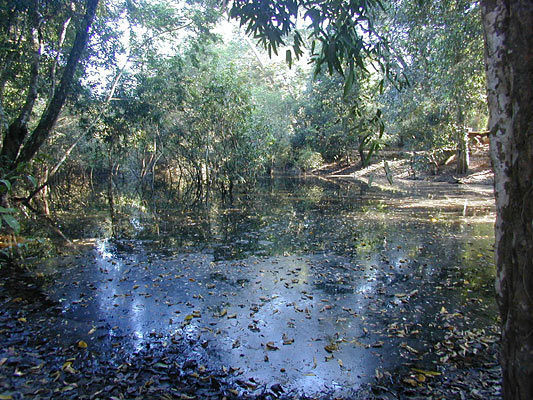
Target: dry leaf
[271,346]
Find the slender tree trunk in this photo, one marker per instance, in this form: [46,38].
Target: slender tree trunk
[463,158]
[110,196]
[49,118]
[44,193]
[18,130]
[508,26]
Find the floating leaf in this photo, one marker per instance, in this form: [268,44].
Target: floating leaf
[67,367]
[330,348]
[287,340]
[82,344]
[425,372]
[411,382]
[271,346]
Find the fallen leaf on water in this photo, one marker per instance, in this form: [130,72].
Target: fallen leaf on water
[409,348]
[232,316]
[287,340]
[330,348]
[250,385]
[310,374]
[341,364]
[67,367]
[93,329]
[427,373]
[22,319]
[271,346]
[411,382]
[223,313]
[82,344]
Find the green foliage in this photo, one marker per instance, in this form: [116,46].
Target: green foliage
[443,44]
[160,101]
[9,218]
[308,159]
[338,126]
[342,34]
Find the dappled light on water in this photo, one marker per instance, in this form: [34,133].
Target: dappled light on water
[309,285]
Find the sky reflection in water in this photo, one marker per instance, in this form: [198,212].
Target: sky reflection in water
[305,283]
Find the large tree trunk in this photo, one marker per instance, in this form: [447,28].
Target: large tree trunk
[508,28]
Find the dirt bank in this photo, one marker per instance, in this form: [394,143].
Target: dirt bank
[405,167]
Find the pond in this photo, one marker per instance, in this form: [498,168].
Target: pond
[315,285]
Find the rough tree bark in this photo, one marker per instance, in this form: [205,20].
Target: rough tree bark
[508,26]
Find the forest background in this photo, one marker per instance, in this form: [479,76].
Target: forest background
[162,99]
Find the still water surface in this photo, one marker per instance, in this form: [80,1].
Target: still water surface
[308,283]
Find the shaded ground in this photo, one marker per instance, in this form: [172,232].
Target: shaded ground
[310,290]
